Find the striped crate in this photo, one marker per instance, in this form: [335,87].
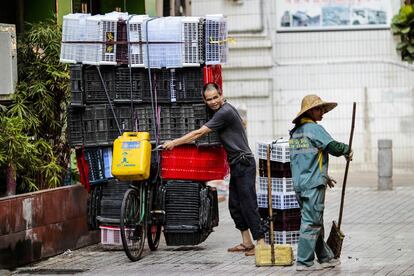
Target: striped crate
[279,185]
[279,200]
[284,237]
[279,150]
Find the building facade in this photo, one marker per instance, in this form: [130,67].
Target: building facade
[282,54]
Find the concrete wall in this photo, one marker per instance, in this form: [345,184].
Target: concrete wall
[269,72]
[42,224]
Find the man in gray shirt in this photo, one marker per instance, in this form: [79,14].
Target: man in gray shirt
[242,197]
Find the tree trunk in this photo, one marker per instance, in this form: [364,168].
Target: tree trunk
[11,179]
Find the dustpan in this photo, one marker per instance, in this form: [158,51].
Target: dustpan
[272,255]
[336,236]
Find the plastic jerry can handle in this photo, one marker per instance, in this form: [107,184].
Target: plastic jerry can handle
[130,134]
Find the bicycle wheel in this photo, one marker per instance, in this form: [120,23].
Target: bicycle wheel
[154,226]
[132,223]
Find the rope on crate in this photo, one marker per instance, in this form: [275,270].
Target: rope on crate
[228,39]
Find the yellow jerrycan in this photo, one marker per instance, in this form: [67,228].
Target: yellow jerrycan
[131,158]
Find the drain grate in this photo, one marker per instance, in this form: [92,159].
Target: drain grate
[50,271]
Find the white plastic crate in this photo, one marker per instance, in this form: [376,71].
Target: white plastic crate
[109,32]
[279,185]
[111,235]
[101,36]
[279,151]
[279,200]
[73,30]
[136,52]
[93,48]
[216,46]
[190,38]
[283,237]
[165,47]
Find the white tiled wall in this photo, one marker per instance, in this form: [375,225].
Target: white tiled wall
[270,72]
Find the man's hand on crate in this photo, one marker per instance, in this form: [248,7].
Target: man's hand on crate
[169,145]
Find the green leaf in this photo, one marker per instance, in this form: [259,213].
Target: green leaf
[406,30]
[406,11]
[401,46]
[410,49]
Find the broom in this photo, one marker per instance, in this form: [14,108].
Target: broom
[336,236]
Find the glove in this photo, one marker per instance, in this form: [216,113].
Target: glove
[349,155]
[330,182]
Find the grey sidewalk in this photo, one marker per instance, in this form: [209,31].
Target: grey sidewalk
[379,229]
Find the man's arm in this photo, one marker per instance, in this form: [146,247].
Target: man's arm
[188,138]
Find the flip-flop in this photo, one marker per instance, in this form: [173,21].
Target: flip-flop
[240,248]
[251,252]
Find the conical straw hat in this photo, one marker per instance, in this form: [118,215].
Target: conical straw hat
[311,101]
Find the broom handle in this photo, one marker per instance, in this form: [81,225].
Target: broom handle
[269,200]
[347,166]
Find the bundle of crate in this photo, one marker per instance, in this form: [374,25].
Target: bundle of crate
[135,73]
[286,211]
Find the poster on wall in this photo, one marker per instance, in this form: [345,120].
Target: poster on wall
[310,15]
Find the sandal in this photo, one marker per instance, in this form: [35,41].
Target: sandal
[251,252]
[240,248]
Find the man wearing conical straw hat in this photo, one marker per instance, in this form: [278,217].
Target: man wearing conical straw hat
[310,145]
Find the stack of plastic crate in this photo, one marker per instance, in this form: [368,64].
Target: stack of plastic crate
[137,73]
[286,212]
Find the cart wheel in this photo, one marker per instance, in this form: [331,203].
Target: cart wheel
[132,225]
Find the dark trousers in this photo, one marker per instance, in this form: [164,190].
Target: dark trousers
[242,198]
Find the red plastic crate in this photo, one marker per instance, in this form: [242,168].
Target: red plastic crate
[212,73]
[189,162]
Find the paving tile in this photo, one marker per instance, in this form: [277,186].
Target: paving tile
[379,241]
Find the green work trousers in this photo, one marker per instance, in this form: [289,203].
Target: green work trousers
[311,239]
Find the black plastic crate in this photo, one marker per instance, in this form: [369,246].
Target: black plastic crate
[283,220]
[138,78]
[144,119]
[124,116]
[182,120]
[111,200]
[175,238]
[94,159]
[277,169]
[188,84]
[201,115]
[76,85]
[162,84]
[94,89]
[75,133]
[98,125]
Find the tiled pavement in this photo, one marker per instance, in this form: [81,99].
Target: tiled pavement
[379,228]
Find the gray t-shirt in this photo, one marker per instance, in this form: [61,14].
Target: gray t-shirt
[228,124]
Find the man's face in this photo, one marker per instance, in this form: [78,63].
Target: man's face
[316,113]
[213,99]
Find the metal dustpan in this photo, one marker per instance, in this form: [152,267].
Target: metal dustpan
[336,236]
[272,255]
